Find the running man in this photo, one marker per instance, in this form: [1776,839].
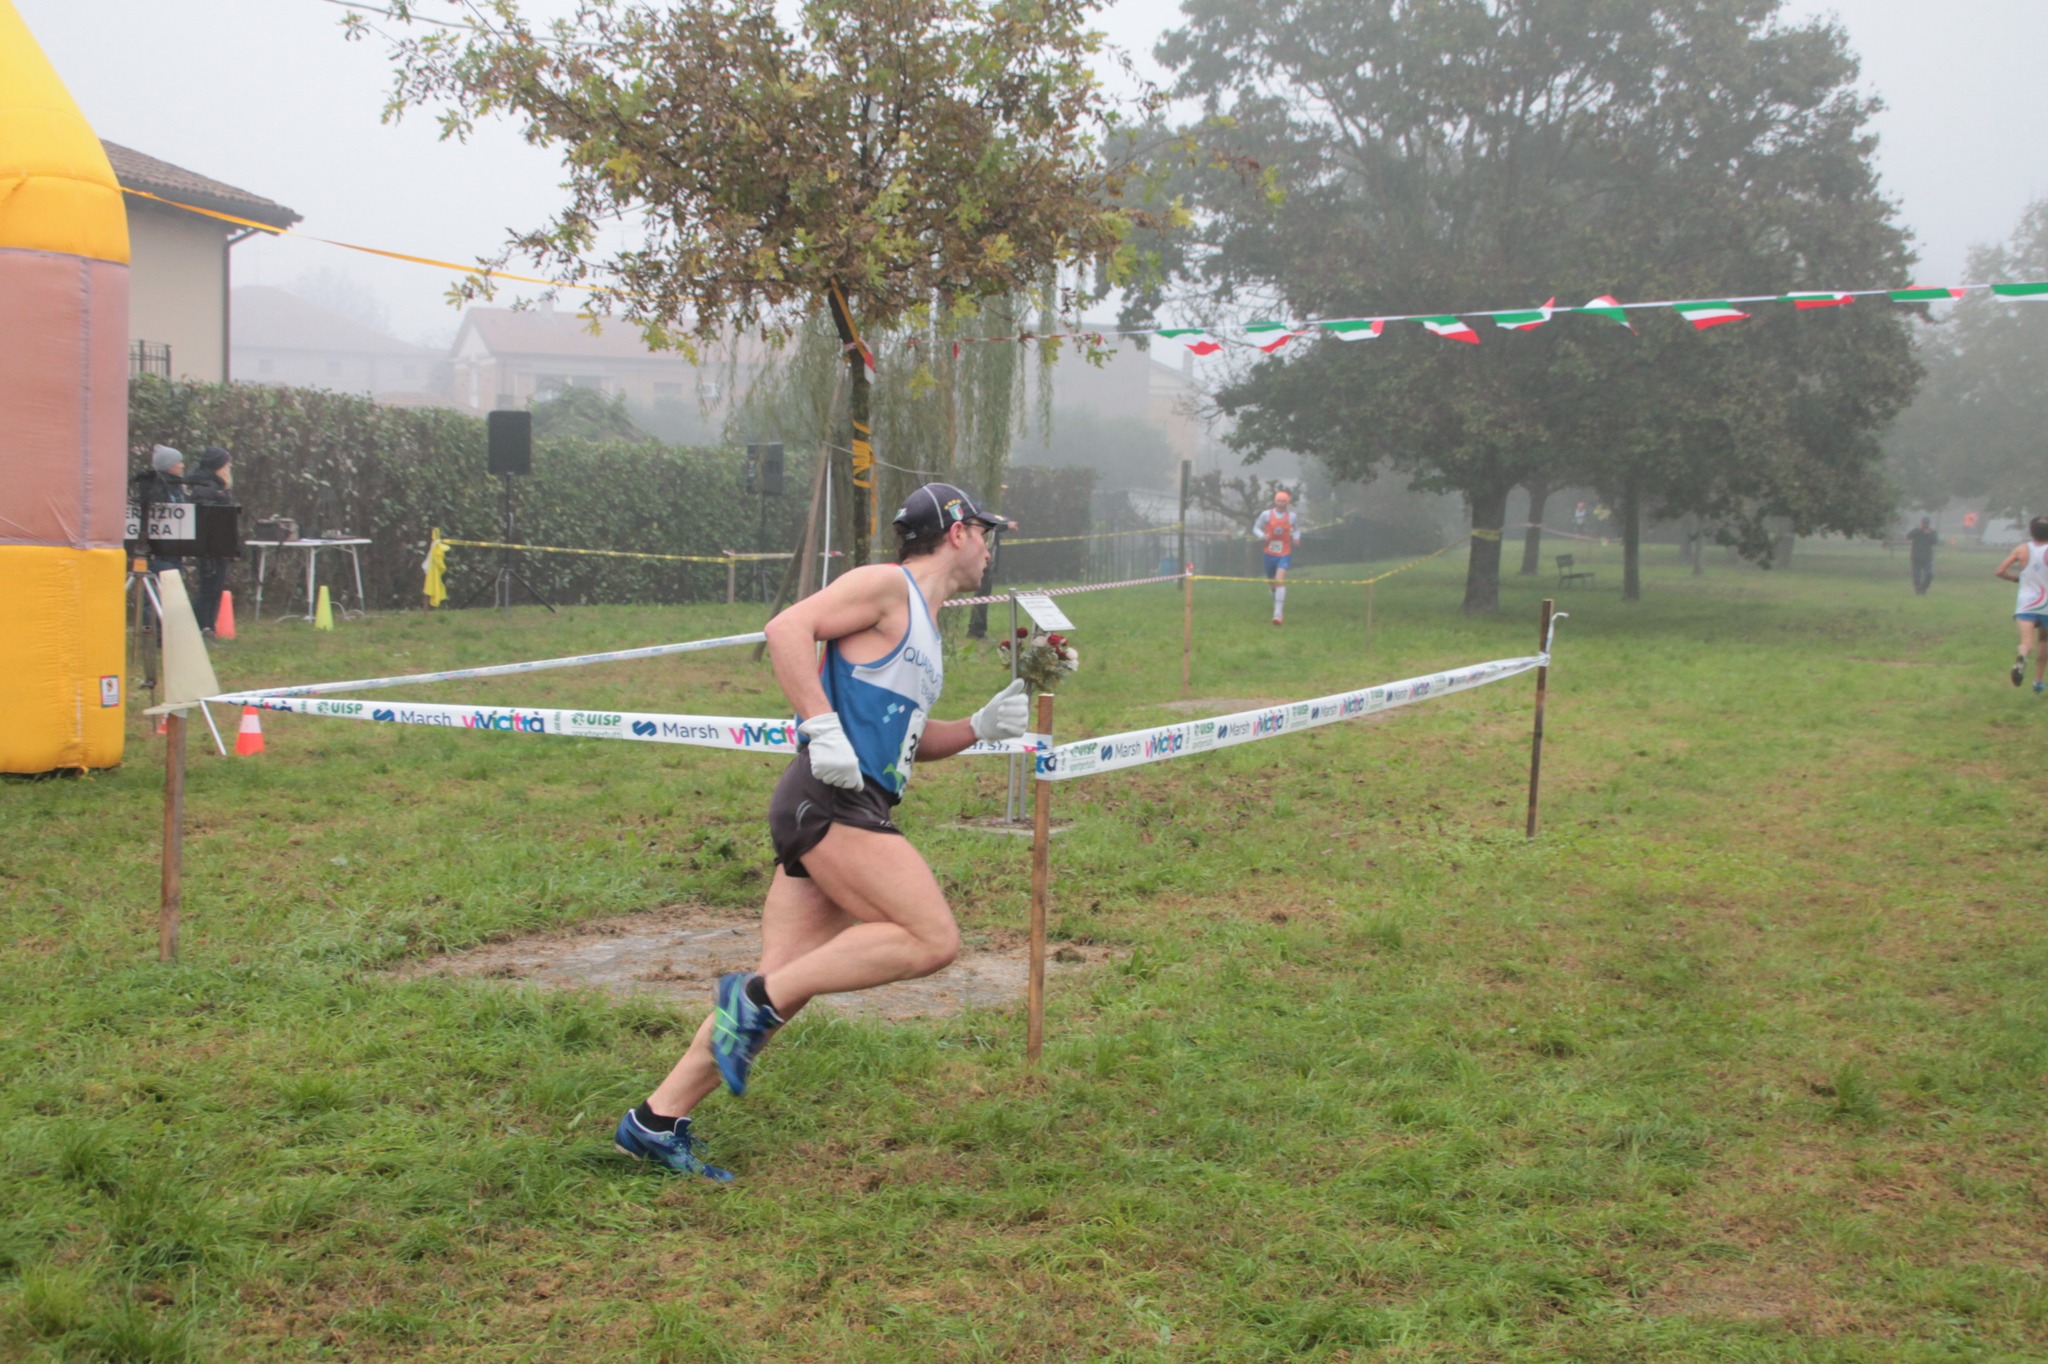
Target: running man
[1278,531]
[2027,565]
[852,905]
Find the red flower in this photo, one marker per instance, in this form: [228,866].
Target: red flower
[1057,641]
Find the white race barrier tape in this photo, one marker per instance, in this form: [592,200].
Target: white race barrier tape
[503,669]
[1137,747]
[739,734]
[1065,591]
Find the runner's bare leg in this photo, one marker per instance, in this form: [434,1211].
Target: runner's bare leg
[797,919]
[906,927]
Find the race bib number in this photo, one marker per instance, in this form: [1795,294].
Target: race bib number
[1276,547]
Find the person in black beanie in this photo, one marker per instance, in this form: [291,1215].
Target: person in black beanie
[211,487]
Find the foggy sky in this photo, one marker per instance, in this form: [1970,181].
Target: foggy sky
[266,95]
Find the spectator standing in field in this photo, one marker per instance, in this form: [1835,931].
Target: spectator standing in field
[1921,542]
[2027,565]
[162,484]
[211,487]
[1278,531]
[852,905]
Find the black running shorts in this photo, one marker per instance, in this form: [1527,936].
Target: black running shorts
[803,808]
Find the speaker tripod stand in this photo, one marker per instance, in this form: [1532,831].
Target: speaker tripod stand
[508,575]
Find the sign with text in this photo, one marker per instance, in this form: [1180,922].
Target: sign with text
[167,521]
[1039,607]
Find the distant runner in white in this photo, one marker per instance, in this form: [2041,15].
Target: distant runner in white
[2027,565]
[852,904]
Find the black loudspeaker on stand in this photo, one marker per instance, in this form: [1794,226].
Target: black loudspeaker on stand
[510,456]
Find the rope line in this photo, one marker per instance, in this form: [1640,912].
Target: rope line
[1327,582]
[727,557]
[1064,591]
[505,669]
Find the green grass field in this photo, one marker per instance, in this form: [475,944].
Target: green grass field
[1742,1059]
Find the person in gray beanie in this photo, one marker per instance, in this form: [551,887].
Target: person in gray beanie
[162,484]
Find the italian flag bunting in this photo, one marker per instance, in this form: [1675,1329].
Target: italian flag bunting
[1270,336]
[1451,328]
[1526,321]
[1195,339]
[1605,306]
[1820,300]
[1924,295]
[1356,328]
[1705,315]
[2020,290]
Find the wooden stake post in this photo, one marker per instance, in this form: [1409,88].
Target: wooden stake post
[1187,634]
[1041,877]
[174,835]
[1542,691]
[1187,586]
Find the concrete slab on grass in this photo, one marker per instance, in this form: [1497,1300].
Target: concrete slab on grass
[678,954]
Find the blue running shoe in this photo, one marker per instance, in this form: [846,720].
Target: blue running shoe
[672,1150]
[739,1030]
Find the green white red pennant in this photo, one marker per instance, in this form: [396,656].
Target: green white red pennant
[1196,339]
[1705,315]
[1526,321]
[1355,329]
[1451,329]
[1820,300]
[1923,295]
[2020,290]
[1270,336]
[1605,306]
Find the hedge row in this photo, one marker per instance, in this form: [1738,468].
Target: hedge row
[335,462]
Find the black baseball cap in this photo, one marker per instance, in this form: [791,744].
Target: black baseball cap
[936,508]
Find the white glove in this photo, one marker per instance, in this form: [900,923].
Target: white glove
[1005,716]
[833,760]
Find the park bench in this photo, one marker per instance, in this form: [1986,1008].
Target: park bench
[1567,575]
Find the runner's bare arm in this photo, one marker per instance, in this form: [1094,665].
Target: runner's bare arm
[2005,570]
[944,738]
[859,600]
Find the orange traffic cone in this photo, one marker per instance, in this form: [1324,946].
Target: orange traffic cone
[162,727]
[224,619]
[249,740]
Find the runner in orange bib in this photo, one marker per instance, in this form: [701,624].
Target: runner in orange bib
[1278,530]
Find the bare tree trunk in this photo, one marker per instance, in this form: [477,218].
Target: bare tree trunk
[1632,538]
[859,460]
[1532,536]
[1482,569]
[1695,547]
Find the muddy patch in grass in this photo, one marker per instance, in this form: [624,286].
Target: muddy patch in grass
[679,953]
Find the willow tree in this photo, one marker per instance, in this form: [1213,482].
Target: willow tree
[876,162]
[945,405]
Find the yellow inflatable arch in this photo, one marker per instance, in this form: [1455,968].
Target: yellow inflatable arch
[64,402]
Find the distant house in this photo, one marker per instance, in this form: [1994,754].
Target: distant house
[281,338]
[179,264]
[504,358]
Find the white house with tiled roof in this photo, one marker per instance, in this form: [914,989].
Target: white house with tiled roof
[504,357]
[179,266]
[281,338]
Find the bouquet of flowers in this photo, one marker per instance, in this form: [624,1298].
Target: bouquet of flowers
[1043,660]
